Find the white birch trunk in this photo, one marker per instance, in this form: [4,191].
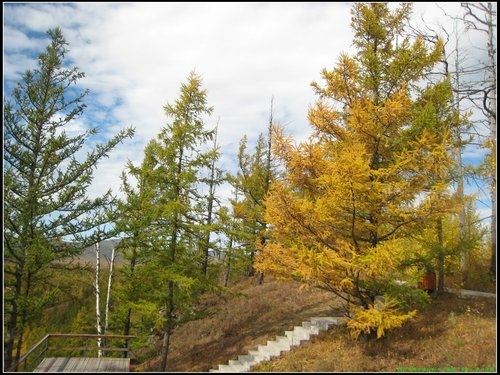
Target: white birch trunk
[106,313]
[97,296]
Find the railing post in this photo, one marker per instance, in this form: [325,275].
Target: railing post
[86,346]
[25,364]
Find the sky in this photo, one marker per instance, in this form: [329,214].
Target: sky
[136,55]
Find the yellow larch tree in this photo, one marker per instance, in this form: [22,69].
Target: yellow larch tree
[351,196]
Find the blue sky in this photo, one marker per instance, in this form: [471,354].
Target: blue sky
[136,55]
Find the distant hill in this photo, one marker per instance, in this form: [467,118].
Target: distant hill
[106,247]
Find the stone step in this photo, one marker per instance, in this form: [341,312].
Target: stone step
[278,347]
[296,337]
[283,341]
[246,357]
[270,350]
[229,368]
[259,356]
[244,365]
[281,344]
[326,322]
[306,332]
[312,327]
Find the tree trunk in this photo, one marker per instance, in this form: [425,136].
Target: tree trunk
[464,259]
[23,318]
[169,305]
[492,112]
[210,208]
[12,322]
[260,275]
[439,227]
[228,261]
[97,296]
[167,328]
[165,345]
[108,293]
[488,103]
[126,328]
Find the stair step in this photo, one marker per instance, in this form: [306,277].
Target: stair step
[283,340]
[269,351]
[295,338]
[277,347]
[327,321]
[301,331]
[259,356]
[243,365]
[313,328]
[246,357]
[229,368]
[281,344]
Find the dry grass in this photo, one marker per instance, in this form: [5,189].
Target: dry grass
[451,333]
[239,323]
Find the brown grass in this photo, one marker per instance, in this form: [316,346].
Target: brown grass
[239,323]
[451,333]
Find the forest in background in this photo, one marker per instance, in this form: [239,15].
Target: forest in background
[375,196]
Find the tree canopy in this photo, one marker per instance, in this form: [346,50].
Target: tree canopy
[48,213]
[354,192]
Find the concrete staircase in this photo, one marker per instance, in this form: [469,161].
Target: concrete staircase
[284,343]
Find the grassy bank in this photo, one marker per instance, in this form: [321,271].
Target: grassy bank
[449,334]
[452,334]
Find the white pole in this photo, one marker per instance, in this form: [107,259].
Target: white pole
[109,290]
[97,292]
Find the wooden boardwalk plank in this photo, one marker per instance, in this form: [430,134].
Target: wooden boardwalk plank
[83,364]
[95,364]
[59,364]
[71,365]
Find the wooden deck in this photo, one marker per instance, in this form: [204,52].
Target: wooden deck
[83,364]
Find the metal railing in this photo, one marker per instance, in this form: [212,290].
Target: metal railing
[30,360]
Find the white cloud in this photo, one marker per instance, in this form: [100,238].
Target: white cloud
[136,55]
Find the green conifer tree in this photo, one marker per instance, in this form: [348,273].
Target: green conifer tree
[164,226]
[45,184]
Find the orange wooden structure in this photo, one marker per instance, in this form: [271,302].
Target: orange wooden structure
[428,282]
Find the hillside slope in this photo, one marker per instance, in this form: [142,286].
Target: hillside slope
[239,323]
[450,335]
[451,332]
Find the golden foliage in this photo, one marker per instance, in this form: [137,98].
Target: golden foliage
[380,318]
[376,170]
